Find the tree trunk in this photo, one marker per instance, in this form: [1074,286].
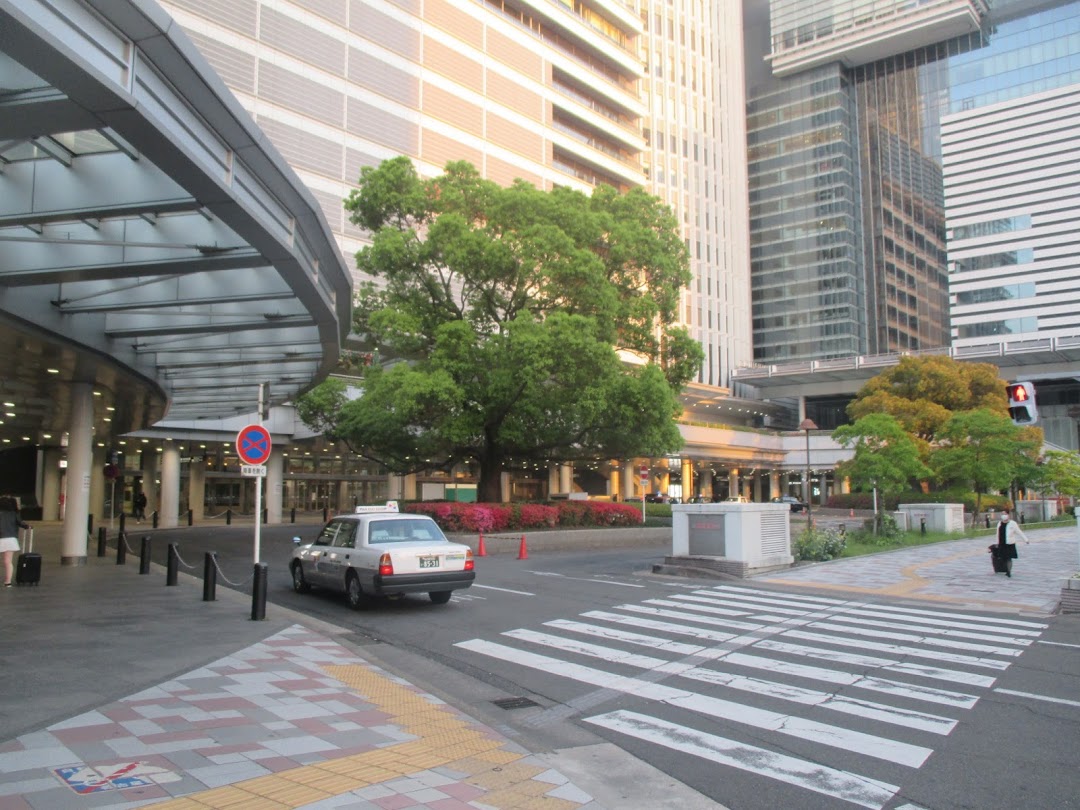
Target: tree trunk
[489,487]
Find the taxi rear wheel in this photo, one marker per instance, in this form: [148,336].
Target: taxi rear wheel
[299,582]
[439,597]
[353,592]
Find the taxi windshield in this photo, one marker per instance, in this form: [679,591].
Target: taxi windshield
[404,530]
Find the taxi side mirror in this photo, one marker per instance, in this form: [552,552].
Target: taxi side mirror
[297,541]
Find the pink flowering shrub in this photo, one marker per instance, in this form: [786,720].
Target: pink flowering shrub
[533,516]
[475,518]
[464,517]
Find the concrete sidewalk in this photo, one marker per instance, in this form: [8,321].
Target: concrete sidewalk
[957,572]
[118,692]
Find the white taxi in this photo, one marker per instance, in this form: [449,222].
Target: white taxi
[380,551]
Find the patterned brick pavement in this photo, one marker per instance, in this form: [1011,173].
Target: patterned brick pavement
[296,721]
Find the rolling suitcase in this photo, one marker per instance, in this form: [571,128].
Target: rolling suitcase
[28,564]
[1001,565]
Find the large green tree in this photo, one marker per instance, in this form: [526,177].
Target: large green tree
[512,324]
[922,393]
[886,457]
[1059,473]
[985,449]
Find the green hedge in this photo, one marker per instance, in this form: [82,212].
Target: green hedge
[865,500]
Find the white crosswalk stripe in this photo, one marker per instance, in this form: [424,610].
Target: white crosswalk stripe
[765,665]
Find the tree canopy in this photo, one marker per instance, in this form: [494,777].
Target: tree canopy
[518,324]
[922,393]
[886,457]
[984,449]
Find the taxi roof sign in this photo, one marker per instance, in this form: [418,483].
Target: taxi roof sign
[391,506]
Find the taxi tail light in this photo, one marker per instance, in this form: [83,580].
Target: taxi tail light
[470,563]
[386,565]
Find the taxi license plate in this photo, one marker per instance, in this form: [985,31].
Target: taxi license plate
[429,562]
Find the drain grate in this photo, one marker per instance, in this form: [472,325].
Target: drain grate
[515,703]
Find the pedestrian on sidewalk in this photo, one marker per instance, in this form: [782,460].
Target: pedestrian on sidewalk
[139,502]
[1007,533]
[10,523]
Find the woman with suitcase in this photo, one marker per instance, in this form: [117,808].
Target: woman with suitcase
[1007,534]
[10,523]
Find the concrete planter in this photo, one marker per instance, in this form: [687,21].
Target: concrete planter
[1070,595]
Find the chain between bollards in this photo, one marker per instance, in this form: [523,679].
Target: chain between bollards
[258,593]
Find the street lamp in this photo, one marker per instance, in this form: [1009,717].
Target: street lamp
[807,424]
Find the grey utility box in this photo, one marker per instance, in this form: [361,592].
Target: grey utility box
[1037,511]
[940,517]
[735,538]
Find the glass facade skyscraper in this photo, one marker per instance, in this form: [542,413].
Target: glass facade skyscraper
[911,243]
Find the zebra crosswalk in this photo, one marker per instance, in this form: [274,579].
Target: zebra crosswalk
[857,681]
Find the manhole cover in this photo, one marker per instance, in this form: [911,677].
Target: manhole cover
[515,703]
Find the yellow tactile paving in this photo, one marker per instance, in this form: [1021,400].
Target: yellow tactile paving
[443,739]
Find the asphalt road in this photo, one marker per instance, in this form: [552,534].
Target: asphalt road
[755,696]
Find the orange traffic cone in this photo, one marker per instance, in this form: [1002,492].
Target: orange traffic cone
[523,553]
[481,551]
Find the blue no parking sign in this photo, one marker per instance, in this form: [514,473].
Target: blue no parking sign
[253,444]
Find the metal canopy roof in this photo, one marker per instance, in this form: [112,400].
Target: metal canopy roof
[152,242]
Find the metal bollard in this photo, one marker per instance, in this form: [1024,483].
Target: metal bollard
[121,548]
[144,555]
[174,565]
[258,593]
[209,577]
[922,526]
[154,519]
[228,517]
[292,515]
[89,524]
[988,521]
[101,541]
[190,517]
[266,515]
[1022,518]
[123,521]
[325,513]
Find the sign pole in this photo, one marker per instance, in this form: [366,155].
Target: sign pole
[258,485]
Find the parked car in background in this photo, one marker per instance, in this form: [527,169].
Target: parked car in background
[378,551]
[795,504]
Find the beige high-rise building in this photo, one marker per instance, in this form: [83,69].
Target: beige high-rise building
[557,93]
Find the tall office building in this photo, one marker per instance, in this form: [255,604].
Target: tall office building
[901,176]
[555,92]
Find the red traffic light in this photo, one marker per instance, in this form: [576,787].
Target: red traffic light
[1018,393]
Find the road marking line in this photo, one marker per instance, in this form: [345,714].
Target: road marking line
[883,748]
[667,627]
[1039,697]
[887,664]
[625,636]
[899,649]
[849,787]
[853,617]
[1059,644]
[504,590]
[934,642]
[871,710]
